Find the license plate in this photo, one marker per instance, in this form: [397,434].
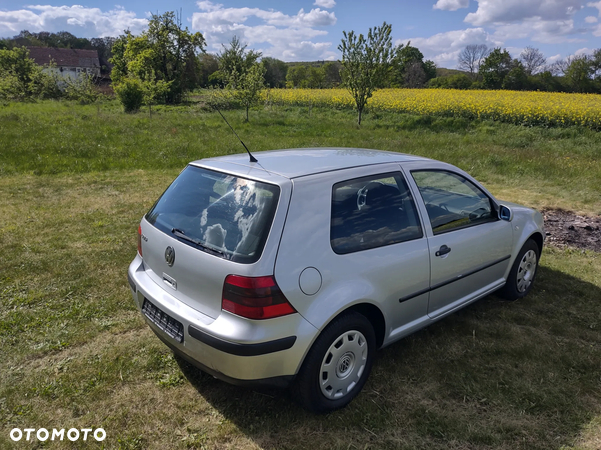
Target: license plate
[171,327]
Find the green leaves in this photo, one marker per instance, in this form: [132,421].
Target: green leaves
[242,73]
[165,55]
[365,62]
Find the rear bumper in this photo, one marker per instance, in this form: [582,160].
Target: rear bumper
[237,350]
[280,382]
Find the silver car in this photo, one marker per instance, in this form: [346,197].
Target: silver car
[296,268]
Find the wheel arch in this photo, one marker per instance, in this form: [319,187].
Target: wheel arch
[375,317]
[538,238]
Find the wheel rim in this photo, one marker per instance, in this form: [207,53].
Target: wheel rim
[526,271]
[343,364]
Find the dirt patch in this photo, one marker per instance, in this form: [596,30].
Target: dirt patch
[566,228]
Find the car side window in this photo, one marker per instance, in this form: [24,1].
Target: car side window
[372,212]
[452,201]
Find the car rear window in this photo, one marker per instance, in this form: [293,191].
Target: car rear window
[218,213]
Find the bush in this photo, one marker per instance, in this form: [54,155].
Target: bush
[459,81]
[82,89]
[130,93]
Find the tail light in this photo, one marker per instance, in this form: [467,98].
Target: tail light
[254,298]
[140,240]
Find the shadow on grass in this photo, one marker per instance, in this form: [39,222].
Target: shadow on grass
[493,375]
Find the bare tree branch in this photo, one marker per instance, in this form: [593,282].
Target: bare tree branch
[533,60]
[471,57]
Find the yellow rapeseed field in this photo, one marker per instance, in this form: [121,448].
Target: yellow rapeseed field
[524,108]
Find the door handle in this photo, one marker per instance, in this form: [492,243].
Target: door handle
[443,250]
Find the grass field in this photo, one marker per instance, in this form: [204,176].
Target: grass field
[74,182]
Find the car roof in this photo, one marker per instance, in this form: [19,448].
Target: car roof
[299,162]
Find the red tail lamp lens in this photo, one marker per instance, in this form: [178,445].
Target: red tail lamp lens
[254,298]
[140,240]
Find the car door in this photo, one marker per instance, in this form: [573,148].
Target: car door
[374,251]
[469,246]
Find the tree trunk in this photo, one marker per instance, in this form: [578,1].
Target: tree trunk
[359,118]
[247,113]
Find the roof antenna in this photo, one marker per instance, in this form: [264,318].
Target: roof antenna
[252,158]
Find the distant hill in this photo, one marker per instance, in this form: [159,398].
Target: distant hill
[443,73]
[307,63]
[440,71]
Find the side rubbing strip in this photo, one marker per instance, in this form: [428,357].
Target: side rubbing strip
[452,280]
[417,294]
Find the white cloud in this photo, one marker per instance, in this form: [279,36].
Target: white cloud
[444,48]
[79,20]
[216,14]
[512,11]
[595,5]
[554,58]
[451,5]
[584,51]
[544,31]
[591,19]
[208,6]
[325,3]
[289,37]
[597,30]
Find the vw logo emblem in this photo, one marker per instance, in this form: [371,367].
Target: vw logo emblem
[170,255]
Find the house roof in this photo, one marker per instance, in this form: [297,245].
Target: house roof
[64,57]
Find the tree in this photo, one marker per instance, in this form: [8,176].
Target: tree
[365,63]
[153,91]
[235,61]
[275,72]
[596,63]
[414,77]
[471,57]
[533,60]
[250,85]
[166,50]
[408,68]
[331,71]
[104,47]
[22,79]
[243,74]
[130,93]
[82,89]
[579,74]
[208,65]
[560,66]
[517,78]
[403,56]
[545,81]
[316,77]
[495,68]
[297,76]
[429,69]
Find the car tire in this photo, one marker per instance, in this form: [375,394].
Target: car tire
[522,274]
[337,365]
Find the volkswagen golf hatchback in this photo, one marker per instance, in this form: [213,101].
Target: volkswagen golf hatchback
[294,269]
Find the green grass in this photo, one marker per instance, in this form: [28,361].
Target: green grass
[75,353]
[60,137]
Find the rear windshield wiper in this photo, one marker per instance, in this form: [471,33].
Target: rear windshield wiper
[182,235]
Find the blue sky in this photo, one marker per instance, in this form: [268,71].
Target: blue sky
[299,30]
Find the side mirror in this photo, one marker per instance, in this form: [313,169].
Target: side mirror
[505,213]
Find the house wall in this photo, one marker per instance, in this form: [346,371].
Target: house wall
[72,73]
